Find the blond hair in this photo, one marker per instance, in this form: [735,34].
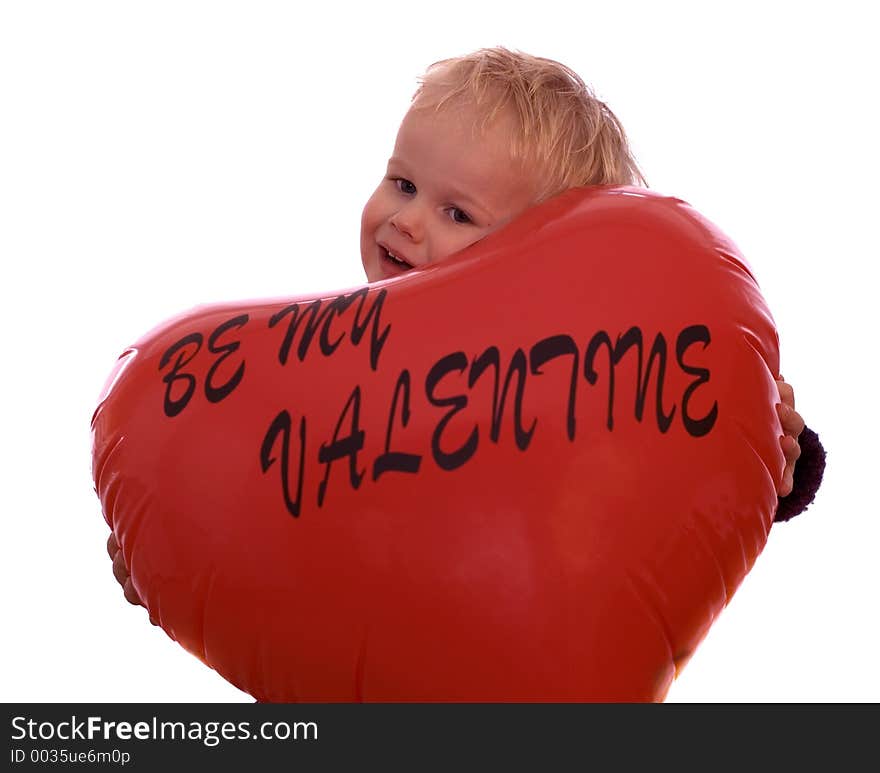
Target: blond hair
[561,130]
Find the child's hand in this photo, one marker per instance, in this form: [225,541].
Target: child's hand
[120,572]
[792,426]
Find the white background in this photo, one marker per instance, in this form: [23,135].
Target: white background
[158,155]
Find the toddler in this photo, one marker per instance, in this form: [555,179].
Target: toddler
[487,136]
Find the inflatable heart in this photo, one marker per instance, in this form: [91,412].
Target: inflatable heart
[537,471]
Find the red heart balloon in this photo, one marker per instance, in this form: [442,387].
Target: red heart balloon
[536,471]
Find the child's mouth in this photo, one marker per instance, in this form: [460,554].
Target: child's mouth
[396,261]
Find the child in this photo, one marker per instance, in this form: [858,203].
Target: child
[487,136]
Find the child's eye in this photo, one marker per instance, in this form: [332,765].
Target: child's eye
[459,215]
[405,186]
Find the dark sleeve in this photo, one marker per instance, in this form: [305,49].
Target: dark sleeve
[808,473]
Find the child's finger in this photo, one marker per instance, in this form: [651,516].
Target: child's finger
[131,595]
[791,449]
[787,484]
[786,393]
[120,570]
[792,422]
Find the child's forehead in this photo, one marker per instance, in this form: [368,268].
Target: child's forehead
[484,122]
[449,151]
[478,111]
[462,125]
[453,138]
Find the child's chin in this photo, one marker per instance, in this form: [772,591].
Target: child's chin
[374,273]
[371,270]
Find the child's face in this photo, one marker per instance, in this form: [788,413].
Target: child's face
[446,188]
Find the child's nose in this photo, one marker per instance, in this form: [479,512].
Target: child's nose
[408,222]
